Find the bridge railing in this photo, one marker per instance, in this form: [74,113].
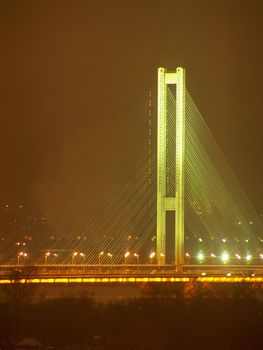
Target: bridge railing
[126,270]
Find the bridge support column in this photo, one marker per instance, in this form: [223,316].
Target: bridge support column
[180,167]
[161,166]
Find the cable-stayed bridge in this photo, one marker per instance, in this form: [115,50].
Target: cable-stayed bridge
[179,210]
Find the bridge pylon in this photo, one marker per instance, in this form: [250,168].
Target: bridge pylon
[166,202]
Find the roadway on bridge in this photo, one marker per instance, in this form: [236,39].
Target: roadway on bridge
[129,273]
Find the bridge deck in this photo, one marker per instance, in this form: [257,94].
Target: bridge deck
[130,274]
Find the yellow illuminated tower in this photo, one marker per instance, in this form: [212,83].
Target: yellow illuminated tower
[164,201]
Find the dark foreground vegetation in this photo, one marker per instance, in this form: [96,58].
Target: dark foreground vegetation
[160,322]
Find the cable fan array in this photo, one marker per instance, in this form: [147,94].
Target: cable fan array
[117,223]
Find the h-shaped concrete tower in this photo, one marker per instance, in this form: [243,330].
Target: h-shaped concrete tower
[164,201]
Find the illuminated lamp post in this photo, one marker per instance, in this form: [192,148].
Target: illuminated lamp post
[151,256]
[83,256]
[19,255]
[137,257]
[100,255]
[47,254]
[126,255]
[162,255]
[74,256]
[110,256]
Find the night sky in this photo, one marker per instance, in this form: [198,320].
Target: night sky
[75,76]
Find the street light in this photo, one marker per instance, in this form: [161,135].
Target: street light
[225,257]
[100,255]
[248,257]
[19,255]
[200,256]
[126,255]
[83,256]
[110,256]
[162,257]
[137,257]
[188,256]
[73,256]
[151,256]
[47,254]
[55,256]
